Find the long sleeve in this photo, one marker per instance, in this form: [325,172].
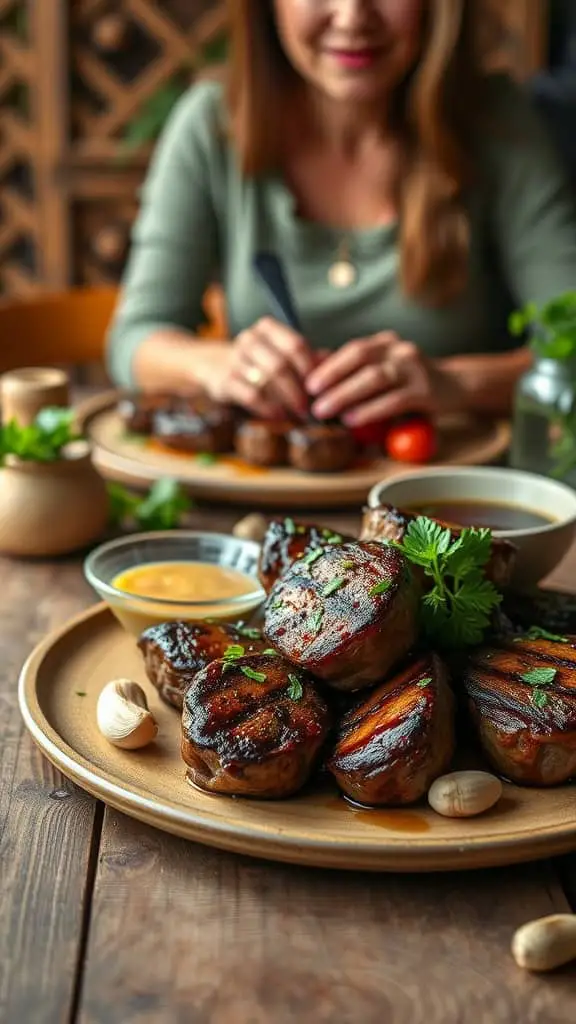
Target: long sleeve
[174,250]
[532,206]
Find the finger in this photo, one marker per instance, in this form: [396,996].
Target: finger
[242,393]
[368,382]
[394,403]
[351,357]
[280,383]
[292,345]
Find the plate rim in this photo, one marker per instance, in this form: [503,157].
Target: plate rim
[394,854]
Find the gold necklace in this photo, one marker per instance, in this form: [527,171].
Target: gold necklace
[342,273]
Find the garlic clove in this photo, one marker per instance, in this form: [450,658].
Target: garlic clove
[464,794]
[123,716]
[546,943]
[251,527]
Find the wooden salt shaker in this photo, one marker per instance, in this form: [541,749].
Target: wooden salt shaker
[26,391]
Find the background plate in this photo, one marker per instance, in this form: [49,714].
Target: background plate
[119,457]
[59,687]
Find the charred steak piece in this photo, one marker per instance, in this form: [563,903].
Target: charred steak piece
[263,442]
[137,411]
[252,727]
[393,743]
[195,425]
[285,541]
[321,448]
[174,651]
[386,523]
[346,612]
[522,698]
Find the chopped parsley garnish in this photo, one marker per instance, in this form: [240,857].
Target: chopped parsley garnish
[206,458]
[312,556]
[537,633]
[242,630]
[424,682]
[290,527]
[234,651]
[331,538]
[539,676]
[380,588]
[295,691]
[276,605]
[80,693]
[315,621]
[250,673]
[348,564]
[270,651]
[539,698]
[457,610]
[333,586]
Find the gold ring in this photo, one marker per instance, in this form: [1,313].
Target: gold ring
[254,376]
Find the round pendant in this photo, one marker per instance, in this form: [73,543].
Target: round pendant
[342,274]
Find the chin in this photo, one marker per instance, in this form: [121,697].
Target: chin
[358,91]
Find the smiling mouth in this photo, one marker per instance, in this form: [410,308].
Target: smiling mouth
[356,59]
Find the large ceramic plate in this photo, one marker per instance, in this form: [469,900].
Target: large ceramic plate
[59,687]
[463,441]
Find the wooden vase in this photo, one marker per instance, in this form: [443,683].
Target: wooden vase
[52,508]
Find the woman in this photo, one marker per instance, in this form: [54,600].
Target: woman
[412,201]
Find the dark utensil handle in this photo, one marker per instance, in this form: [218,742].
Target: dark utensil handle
[271,274]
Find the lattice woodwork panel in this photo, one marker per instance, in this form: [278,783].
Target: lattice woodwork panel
[126,55]
[100,239]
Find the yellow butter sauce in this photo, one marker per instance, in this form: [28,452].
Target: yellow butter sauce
[200,582]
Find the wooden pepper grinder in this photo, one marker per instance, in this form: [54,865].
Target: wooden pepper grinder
[26,391]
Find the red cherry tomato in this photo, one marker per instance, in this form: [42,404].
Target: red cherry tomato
[411,440]
[370,434]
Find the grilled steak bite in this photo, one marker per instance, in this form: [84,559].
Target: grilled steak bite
[263,442]
[346,612]
[393,743]
[386,523]
[195,425]
[321,448]
[252,726]
[285,541]
[522,698]
[137,411]
[174,651]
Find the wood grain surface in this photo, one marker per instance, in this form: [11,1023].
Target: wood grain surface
[107,921]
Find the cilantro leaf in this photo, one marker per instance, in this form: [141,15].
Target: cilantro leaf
[380,588]
[164,506]
[537,633]
[333,586]
[424,541]
[295,690]
[539,676]
[250,673]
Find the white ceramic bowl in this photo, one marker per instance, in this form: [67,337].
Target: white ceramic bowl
[540,548]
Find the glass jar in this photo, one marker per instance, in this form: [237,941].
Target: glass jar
[544,420]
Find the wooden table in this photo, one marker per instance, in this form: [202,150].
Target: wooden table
[106,921]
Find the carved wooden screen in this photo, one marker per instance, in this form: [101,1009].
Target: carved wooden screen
[83,81]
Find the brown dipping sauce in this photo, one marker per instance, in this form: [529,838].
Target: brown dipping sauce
[489,514]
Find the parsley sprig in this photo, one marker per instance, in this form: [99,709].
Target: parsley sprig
[457,609]
[42,440]
[161,509]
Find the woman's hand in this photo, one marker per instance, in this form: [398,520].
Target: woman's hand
[380,377]
[266,370]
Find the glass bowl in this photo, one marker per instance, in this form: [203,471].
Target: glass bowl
[136,612]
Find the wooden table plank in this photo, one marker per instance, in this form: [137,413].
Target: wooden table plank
[46,823]
[186,934]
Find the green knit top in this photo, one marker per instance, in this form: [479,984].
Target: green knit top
[201,219]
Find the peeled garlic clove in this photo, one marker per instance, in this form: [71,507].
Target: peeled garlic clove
[464,794]
[546,943]
[251,527]
[123,716]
